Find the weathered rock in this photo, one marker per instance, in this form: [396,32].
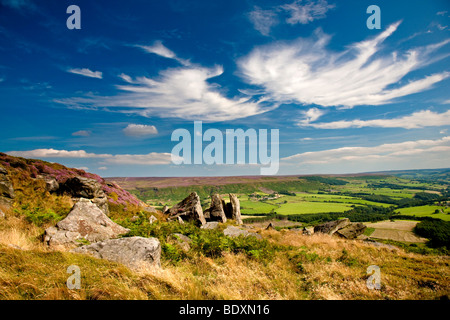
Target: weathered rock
[306,232]
[152,219]
[81,187]
[2,214]
[134,218]
[332,226]
[189,209]
[51,184]
[133,252]
[84,222]
[235,209]
[233,232]
[182,241]
[351,231]
[180,220]
[164,209]
[216,210]
[7,194]
[210,225]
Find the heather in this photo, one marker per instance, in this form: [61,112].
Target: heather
[32,199]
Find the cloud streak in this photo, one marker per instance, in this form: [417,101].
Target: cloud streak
[304,71]
[420,119]
[183,92]
[86,72]
[384,152]
[152,158]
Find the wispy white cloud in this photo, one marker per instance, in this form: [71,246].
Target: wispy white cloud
[299,11]
[152,158]
[304,12]
[53,153]
[82,133]
[384,152]
[310,115]
[304,71]
[86,72]
[139,130]
[420,119]
[183,92]
[159,49]
[263,20]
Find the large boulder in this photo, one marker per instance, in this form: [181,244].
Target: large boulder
[85,222]
[351,231]
[133,252]
[7,194]
[81,187]
[216,210]
[189,209]
[332,226]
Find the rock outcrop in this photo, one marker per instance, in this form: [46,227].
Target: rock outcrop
[7,194]
[189,209]
[85,222]
[342,228]
[332,226]
[51,184]
[81,187]
[234,211]
[216,210]
[133,252]
[351,231]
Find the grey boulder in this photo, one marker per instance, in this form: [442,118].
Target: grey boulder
[234,232]
[133,252]
[85,222]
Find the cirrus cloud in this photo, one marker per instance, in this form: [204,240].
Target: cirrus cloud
[304,71]
[419,119]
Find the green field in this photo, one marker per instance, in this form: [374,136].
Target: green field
[426,211]
[312,207]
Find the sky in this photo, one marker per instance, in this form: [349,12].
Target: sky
[345,98]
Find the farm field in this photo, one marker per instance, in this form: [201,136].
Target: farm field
[398,230]
[426,211]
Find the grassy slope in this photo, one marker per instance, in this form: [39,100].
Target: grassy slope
[316,267]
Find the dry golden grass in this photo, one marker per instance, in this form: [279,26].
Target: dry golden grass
[337,270]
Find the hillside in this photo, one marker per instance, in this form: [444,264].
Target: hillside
[281,264]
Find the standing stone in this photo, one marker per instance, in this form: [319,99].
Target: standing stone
[190,209]
[216,210]
[133,252]
[235,208]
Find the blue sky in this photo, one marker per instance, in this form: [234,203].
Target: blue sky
[345,98]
